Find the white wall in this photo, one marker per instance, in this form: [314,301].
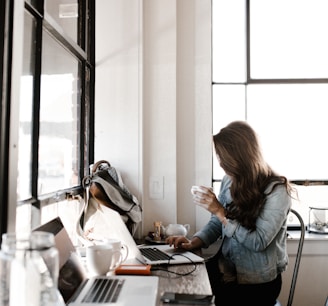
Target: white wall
[118,109]
[311,285]
[153,101]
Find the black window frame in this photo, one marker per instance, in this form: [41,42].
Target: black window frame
[6,42]
[84,50]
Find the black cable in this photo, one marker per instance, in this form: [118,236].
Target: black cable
[165,269]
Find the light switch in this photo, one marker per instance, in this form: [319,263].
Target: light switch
[156,187]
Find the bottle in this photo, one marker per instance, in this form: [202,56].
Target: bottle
[29,268]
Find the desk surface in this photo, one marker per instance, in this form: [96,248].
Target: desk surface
[179,279]
[196,282]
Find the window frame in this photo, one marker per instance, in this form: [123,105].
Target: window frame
[6,40]
[86,148]
[84,51]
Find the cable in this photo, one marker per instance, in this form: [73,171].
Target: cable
[174,272]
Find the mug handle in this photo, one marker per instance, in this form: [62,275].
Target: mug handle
[126,250]
[118,263]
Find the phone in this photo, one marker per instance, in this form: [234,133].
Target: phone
[187,298]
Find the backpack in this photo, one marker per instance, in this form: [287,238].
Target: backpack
[104,189]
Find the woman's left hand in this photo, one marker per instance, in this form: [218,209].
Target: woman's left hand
[207,199]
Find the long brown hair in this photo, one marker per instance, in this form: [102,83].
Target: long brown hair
[239,154]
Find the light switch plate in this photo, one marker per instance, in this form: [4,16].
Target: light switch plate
[156,187]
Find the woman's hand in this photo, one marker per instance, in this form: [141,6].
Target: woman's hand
[207,199]
[181,242]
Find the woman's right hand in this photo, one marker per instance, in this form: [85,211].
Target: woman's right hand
[181,242]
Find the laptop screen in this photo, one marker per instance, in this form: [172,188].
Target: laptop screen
[71,271]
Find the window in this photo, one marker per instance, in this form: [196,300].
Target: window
[56,103]
[270,67]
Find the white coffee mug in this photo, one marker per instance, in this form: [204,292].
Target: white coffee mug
[100,259]
[120,247]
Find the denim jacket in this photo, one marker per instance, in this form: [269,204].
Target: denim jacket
[258,256]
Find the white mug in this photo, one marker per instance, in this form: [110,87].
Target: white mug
[100,259]
[121,250]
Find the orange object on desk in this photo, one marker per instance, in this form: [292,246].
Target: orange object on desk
[133,270]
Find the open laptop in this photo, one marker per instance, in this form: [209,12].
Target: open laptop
[145,254]
[78,290]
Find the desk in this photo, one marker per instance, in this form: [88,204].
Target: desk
[196,282]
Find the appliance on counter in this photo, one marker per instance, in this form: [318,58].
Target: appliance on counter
[318,220]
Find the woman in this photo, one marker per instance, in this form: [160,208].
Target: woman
[250,214]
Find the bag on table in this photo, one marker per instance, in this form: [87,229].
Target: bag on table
[104,189]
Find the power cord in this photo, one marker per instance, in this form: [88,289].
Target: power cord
[165,269]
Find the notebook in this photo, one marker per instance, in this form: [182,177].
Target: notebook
[144,253]
[77,289]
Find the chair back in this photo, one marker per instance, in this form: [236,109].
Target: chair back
[298,257]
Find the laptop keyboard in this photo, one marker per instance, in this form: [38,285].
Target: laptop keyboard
[104,290]
[154,254]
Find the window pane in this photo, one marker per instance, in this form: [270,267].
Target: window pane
[229,35]
[25,111]
[228,105]
[292,123]
[59,118]
[67,210]
[288,39]
[65,13]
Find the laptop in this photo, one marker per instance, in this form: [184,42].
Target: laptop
[78,290]
[145,254]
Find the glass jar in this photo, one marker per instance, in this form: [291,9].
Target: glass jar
[29,270]
[318,220]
